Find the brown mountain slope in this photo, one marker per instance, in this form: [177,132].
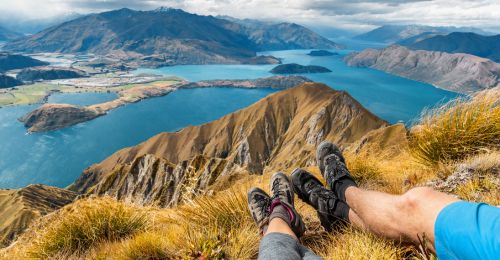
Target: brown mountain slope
[278,132]
[18,208]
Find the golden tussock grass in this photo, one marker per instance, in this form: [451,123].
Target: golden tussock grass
[457,130]
[355,244]
[86,224]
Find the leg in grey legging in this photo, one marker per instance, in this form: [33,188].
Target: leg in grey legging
[280,243]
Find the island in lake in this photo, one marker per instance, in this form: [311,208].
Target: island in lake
[320,53]
[294,68]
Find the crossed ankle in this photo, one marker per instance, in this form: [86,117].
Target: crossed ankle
[279,210]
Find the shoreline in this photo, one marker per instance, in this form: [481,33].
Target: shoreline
[50,117]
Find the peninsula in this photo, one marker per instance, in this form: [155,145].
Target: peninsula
[56,116]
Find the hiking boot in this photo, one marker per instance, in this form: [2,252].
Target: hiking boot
[337,176]
[324,149]
[282,195]
[332,212]
[259,205]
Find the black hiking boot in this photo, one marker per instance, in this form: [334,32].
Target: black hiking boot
[333,168]
[332,212]
[259,204]
[282,195]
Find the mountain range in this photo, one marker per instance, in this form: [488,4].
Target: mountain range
[171,36]
[452,71]
[281,36]
[395,33]
[458,42]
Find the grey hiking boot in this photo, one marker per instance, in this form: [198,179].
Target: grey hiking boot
[324,149]
[259,205]
[282,195]
[332,212]
[332,165]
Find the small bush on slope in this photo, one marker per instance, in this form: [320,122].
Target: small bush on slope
[457,130]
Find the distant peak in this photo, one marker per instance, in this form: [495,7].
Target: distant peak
[165,9]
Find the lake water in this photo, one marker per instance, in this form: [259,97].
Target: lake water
[58,157]
[390,97]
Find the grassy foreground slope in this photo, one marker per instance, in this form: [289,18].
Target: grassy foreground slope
[218,226]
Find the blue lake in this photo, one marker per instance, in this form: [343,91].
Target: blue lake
[58,157]
[390,97]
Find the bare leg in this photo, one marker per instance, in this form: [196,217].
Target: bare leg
[355,220]
[277,225]
[404,217]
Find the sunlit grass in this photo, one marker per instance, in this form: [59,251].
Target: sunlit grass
[87,224]
[457,130]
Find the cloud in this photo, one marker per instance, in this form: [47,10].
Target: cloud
[347,14]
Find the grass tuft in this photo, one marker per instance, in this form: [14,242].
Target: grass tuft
[356,244]
[456,130]
[148,246]
[86,224]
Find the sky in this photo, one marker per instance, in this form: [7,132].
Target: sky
[354,15]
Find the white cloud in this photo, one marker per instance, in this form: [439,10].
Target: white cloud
[353,14]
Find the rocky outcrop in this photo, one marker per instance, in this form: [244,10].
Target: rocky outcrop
[322,53]
[54,116]
[19,208]
[456,72]
[294,68]
[150,180]
[9,61]
[49,73]
[278,132]
[8,81]
[275,82]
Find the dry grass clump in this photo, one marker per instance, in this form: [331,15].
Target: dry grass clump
[353,244]
[147,246]
[457,130]
[474,179]
[208,227]
[480,190]
[87,224]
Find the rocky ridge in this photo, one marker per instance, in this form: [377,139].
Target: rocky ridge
[277,132]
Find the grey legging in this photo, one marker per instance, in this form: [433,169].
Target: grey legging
[277,246]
